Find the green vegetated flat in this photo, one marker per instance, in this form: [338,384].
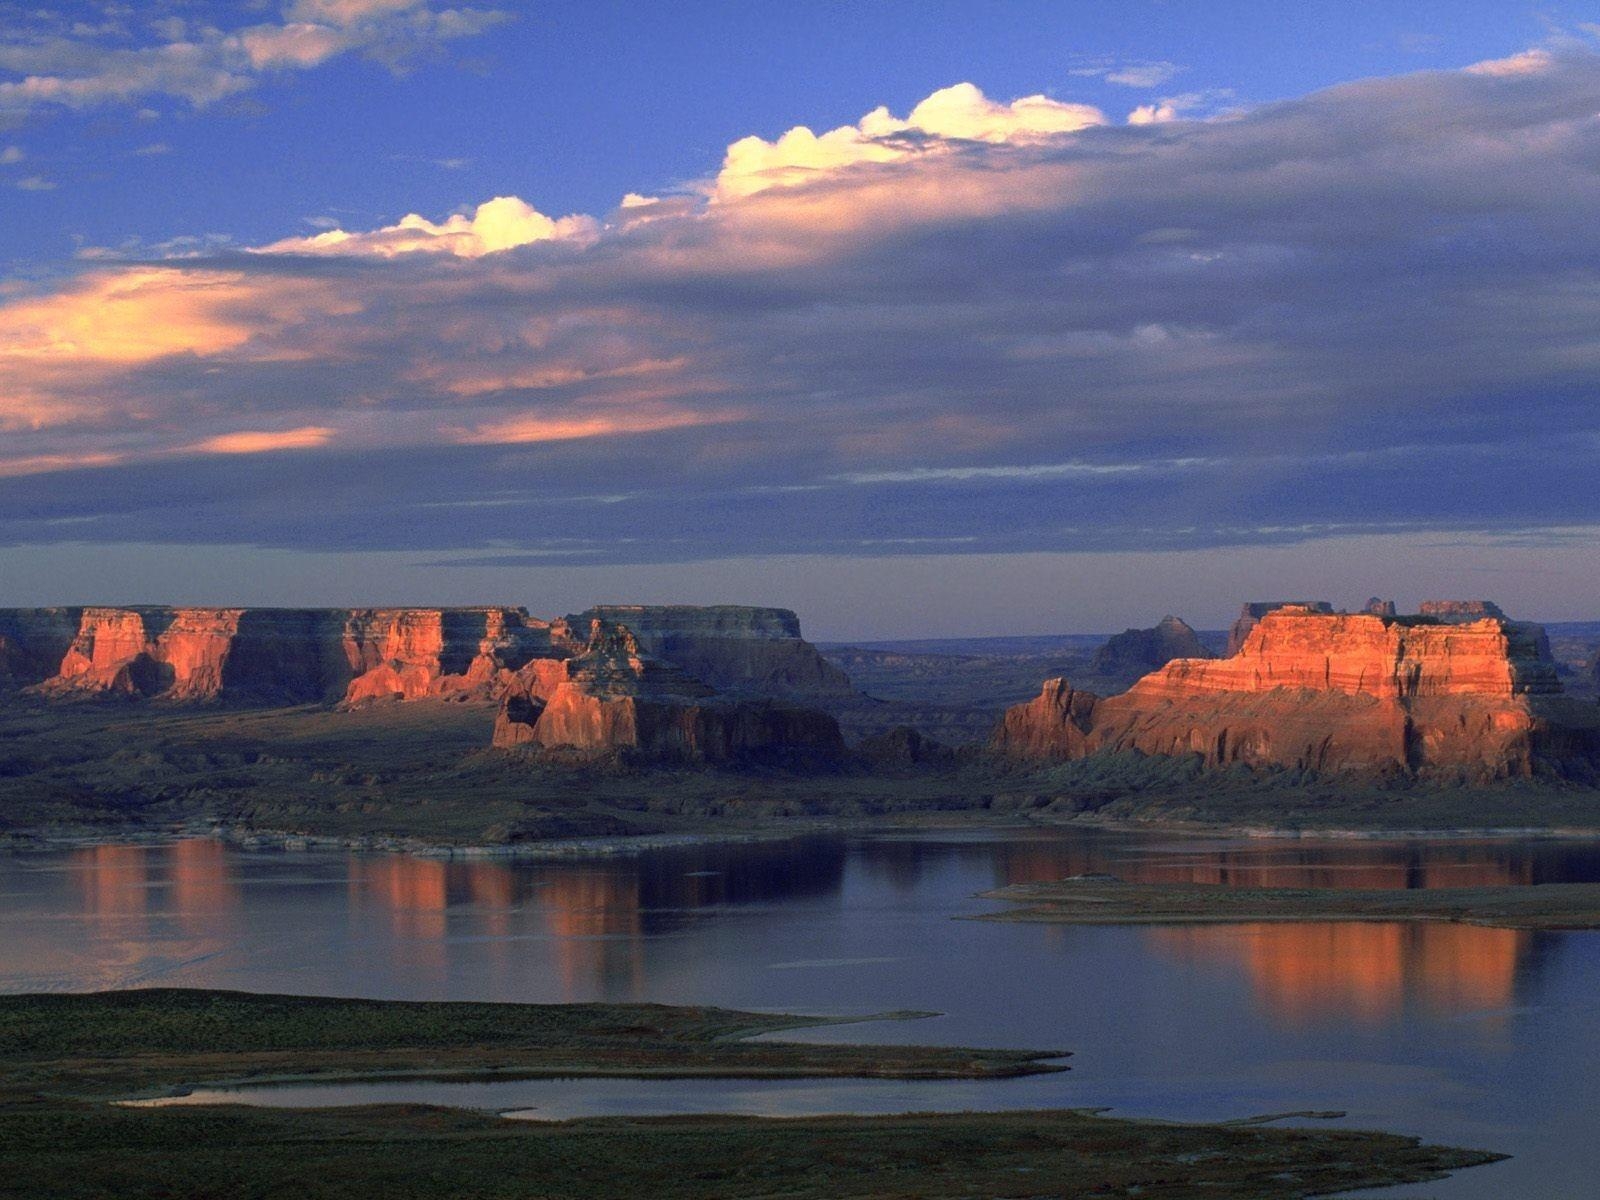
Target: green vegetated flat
[62,1058]
[161,1037]
[1097,900]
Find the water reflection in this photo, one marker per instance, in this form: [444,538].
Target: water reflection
[1309,973]
[1476,1036]
[595,916]
[600,927]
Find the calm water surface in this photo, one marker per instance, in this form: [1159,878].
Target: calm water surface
[1474,1036]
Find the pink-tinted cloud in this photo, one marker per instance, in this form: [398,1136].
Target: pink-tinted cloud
[264,441]
[526,430]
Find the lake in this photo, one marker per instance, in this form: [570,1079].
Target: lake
[1471,1036]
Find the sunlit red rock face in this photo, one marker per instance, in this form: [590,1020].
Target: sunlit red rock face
[358,656]
[734,648]
[1252,612]
[1330,692]
[460,653]
[273,655]
[616,698]
[195,654]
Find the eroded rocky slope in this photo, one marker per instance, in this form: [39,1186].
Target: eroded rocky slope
[734,648]
[615,697]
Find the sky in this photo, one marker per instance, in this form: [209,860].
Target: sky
[923,319]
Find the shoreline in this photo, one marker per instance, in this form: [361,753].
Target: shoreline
[1102,900]
[48,839]
[71,1058]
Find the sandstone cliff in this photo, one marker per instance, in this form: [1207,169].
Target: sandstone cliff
[1313,689]
[1140,650]
[278,656]
[357,656]
[452,653]
[615,698]
[196,654]
[734,648]
[1256,609]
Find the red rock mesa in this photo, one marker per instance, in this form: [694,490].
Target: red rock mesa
[1458,691]
[357,656]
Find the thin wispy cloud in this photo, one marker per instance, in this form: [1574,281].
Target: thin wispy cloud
[1133,73]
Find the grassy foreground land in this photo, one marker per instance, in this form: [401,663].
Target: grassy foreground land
[63,1057]
[425,772]
[1096,900]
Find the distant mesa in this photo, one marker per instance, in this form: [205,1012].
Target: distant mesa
[1457,690]
[1460,612]
[615,698]
[1141,650]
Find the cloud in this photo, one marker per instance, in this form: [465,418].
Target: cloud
[264,442]
[953,114]
[36,183]
[983,327]
[548,428]
[495,225]
[1134,73]
[45,66]
[348,12]
[1528,62]
[43,464]
[135,315]
[1173,108]
[11,155]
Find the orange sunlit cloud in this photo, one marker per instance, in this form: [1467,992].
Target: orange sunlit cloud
[264,441]
[129,316]
[529,429]
[41,464]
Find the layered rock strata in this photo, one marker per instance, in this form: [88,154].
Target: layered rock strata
[357,656]
[615,698]
[733,648]
[277,656]
[450,653]
[1252,612]
[1314,689]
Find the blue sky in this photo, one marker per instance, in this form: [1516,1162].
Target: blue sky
[1196,300]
